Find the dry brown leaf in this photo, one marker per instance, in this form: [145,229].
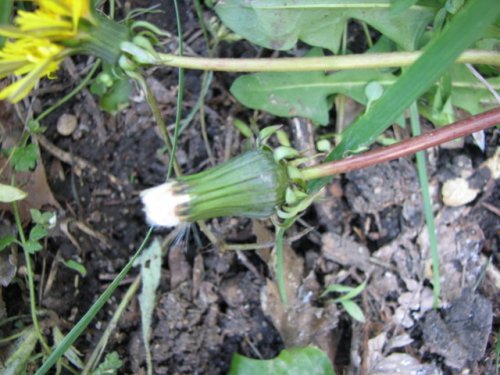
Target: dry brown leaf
[459,243]
[345,251]
[300,323]
[34,183]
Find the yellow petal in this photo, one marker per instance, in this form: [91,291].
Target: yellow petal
[33,58]
[10,67]
[22,87]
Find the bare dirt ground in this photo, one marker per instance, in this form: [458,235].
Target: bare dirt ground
[368,225]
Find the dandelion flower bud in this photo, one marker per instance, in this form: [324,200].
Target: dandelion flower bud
[250,185]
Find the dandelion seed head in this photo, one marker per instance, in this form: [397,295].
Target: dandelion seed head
[161,204]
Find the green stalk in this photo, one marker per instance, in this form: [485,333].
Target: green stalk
[307,64]
[72,93]
[280,271]
[5,13]
[31,282]
[180,92]
[404,148]
[427,200]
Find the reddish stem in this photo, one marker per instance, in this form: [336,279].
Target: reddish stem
[408,147]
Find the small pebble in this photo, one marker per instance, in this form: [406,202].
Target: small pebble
[66,124]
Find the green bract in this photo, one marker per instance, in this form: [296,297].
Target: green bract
[250,185]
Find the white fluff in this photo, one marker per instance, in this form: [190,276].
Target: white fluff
[160,205]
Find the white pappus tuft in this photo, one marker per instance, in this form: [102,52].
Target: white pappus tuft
[161,204]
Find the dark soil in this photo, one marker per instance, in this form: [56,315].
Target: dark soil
[213,304]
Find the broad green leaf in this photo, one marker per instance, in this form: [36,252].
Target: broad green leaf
[279,24]
[10,194]
[304,94]
[353,310]
[464,29]
[294,361]
[110,365]
[307,94]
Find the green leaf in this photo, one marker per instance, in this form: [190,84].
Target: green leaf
[24,158]
[117,97]
[293,361]
[353,310]
[352,293]
[32,246]
[10,194]
[401,5]
[42,218]
[468,93]
[465,28]
[111,364]
[304,94]
[21,351]
[71,354]
[75,266]
[243,128]
[37,233]
[279,24]
[6,241]
[337,288]
[5,13]
[150,262]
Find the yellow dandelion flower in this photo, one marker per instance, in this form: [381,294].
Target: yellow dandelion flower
[40,39]
[31,59]
[53,19]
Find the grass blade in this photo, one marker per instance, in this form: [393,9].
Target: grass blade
[83,323]
[5,12]
[280,273]
[426,198]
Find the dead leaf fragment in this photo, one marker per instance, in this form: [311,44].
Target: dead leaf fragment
[457,192]
[402,363]
[462,335]
[345,251]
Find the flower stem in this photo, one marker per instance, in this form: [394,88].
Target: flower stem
[405,148]
[295,64]
[427,203]
[31,282]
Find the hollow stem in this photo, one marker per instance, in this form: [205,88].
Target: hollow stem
[405,148]
[302,64]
